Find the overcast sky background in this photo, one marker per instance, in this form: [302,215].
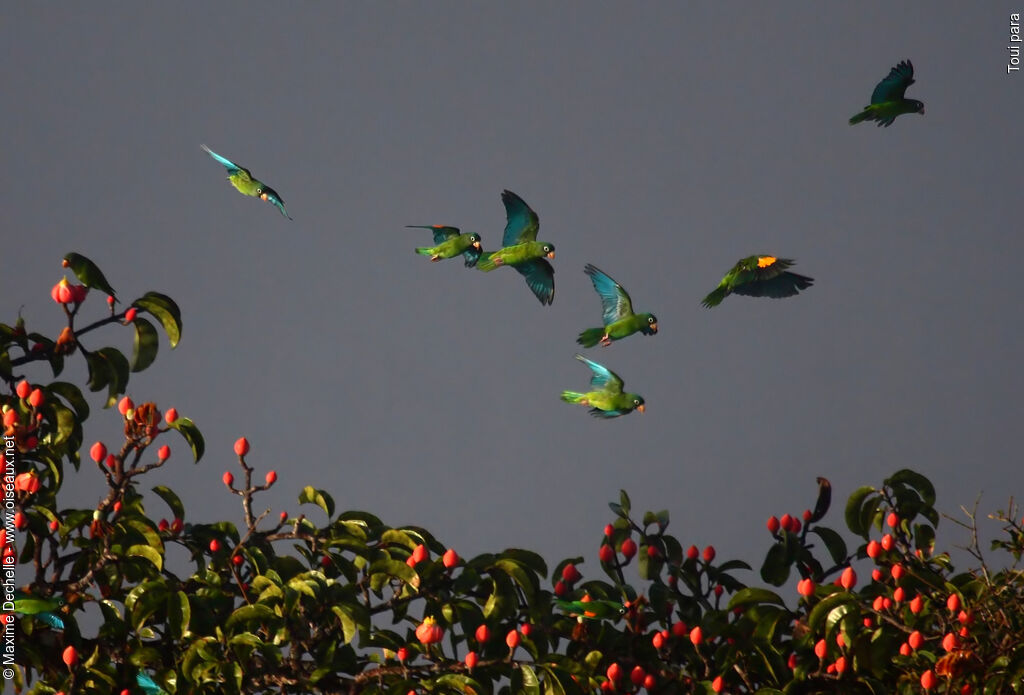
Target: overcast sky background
[659,141]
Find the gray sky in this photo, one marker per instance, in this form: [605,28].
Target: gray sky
[659,141]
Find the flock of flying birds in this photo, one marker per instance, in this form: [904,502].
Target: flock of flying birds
[761,275]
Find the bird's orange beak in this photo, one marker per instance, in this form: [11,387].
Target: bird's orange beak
[263,196]
[551,254]
[476,244]
[654,327]
[641,407]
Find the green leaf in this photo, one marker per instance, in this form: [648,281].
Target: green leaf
[834,542]
[825,607]
[73,395]
[165,311]
[88,273]
[171,498]
[853,510]
[917,481]
[624,502]
[754,594]
[179,614]
[192,435]
[147,552]
[528,684]
[119,370]
[775,569]
[146,343]
[256,613]
[100,371]
[311,495]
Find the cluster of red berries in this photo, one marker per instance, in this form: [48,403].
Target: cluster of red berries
[787,523]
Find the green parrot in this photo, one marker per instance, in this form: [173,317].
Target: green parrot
[242,179]
[43,609]
[887,101]
[592,610]
[521,250]
[450,243]
[759,276]
[608,399]
[619,319]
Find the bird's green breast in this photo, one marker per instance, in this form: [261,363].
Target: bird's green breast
[245,185]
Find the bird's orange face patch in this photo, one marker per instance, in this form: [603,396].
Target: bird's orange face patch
[765,261]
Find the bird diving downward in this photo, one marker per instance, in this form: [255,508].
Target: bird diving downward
[242,179]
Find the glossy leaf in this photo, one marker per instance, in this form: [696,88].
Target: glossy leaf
[192,435]
[164,310]
[145,345]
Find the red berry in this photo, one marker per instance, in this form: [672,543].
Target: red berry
[807,515]
[709,554]
[805,587]
[163,453]
[98,452]
[163,525]
[719,589]
[614,672]
[23,389]
[471,660]
[879,603]
[874,549]
[606,554]
[949,642]
[110,300]
[512,639]
[70,657]
[652,551]
[450,558]
[129,315]
[650,681]
[692,553]
[117,506]
[609,530]
[887,603]
[271,477]
[20,521]
[124,405]
[905,649]
[560,588]
[876,574]
[237,560]
[628,548]
[429,631]
[61,292]
[892,520]
[795,526]
[170,416]
[571,574]
[820,649]
[773,525]
[841,664]
[402,653]
[483,634]
[637,675]
[54,525]
[214,545]
[848,579]
[325,561]
[526,629]
[242,446]
[718,684]
[111,461]
[10,417]
[696,635]
[658,640]
[953,603]
[35,399]
[928,680]
[786,522]
[791,662]
[679,629]
[898,595]
[284,516]
[916,604]
[177,525]
[869,622]
[228,478]
[419,554]
[897,571]
[887,542]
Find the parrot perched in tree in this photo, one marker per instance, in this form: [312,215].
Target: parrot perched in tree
[43,609]
[450,243]
[607,400]
[619,319]
[887,101]
[242,179]
[521,250]
[759,276]
[592,610]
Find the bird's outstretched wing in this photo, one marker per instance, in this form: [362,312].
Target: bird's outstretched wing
[615,302]
[227,163]
[270,195]
[602,377]
[540,277]
[441,232]
[522,224]
[781,285]
[894,86]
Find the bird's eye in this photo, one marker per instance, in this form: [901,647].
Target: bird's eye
[650,319]
[636,402]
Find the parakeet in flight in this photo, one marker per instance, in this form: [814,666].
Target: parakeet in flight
[242,179]
[450,243]
[887,101]
[619,319]
[42,609]
[759,276]
[521,250]
[607,400]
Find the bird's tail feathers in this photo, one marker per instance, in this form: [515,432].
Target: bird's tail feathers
[715,298]
[862,116]
[485,263]
[424,251]
[572,396]
[590,337]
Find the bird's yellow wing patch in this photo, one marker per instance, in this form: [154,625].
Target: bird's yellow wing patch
[765,261]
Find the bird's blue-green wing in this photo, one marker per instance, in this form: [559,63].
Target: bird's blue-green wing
[602,377]
[606,414]
[227,163]
[472,255]
[271,196]
[50,619]
[615,301]
[441,232]
[540,277]
[522,224]
[782,285]
[893,87]
[148,685]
